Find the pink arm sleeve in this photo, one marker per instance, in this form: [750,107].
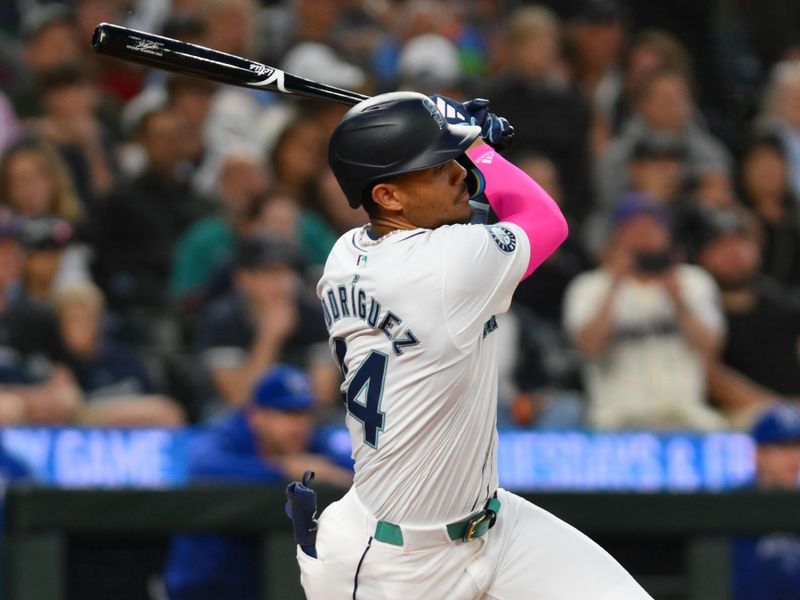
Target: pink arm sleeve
[518,199]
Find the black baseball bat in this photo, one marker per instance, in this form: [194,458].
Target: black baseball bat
[191,59]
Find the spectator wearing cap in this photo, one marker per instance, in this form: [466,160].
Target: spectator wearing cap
[663,104]
[646,324]
[44,240]
[268,317]
[268,440]
[115,383]
[33,387]
[768,566]
[760,358]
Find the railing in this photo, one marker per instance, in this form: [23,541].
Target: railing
[39,522]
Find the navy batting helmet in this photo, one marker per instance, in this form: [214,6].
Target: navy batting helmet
[395,133]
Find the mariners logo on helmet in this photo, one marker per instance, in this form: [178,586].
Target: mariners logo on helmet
[437,116]
[505,239]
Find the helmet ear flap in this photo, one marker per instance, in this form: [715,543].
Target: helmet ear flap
[475,181]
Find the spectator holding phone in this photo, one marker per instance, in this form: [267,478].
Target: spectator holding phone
[646,325]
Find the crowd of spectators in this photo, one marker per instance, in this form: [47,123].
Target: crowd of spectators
[161,236]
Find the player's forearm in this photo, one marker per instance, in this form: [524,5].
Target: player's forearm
[518,199]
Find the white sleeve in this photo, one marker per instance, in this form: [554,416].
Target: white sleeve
[701,294]
[482,266]
[582,300]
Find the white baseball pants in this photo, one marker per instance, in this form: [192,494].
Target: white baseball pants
[529,553]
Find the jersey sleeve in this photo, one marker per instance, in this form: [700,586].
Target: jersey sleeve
[482,266]
[701,295]
[582,300]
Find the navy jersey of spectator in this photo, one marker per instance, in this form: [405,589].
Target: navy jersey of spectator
[267,317]
[243,448]
[28,334]
[228,327]
[768,567]
[113,371]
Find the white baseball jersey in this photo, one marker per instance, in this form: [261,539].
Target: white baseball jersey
[410,319]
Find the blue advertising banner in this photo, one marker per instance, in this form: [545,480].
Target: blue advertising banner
[528,461]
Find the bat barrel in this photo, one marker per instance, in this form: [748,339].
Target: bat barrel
[191,59]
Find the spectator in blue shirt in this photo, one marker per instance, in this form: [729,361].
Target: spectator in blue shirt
[269,440]
[768,567]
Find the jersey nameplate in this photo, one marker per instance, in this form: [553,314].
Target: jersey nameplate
[341,302]
[504,238]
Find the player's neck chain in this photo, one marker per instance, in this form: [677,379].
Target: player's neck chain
[365,239]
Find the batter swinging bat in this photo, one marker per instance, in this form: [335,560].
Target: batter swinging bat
[190,59]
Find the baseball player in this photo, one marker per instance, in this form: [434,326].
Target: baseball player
[409,302]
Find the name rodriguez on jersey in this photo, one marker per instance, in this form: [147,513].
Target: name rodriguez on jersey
[339,302]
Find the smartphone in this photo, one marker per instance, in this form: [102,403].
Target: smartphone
[653,263]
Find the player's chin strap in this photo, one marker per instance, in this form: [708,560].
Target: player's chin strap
[476,184]
[301,508]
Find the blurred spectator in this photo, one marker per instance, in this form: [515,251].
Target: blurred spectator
[430,64]
[192,98]
[267,318]
[534,391]
[9,128]
[406,21]
[280,214]
[765,187]
[656,172]
[113,378]
[297,157]
[760,358]
[781,114]
[35,182]
[332,205]
[51,38]
[646,325]
[595,37]
[319,62]
[270,439]
[767,567]
[649,50]
[33,388]
[142,219]
[549,116]
[27,330]
[230,25]
[120,79]
[544,294]
[44,240]
[664,104]
[208,244]
[70,99]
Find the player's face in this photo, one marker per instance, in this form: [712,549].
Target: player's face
[278,432]
[435,196]
[779,465]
